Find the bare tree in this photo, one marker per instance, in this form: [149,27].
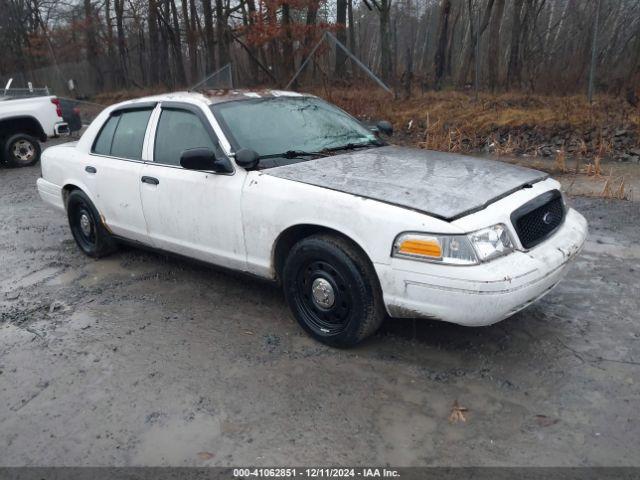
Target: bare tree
[341,34]
[470,48]
[513,69]
[493,60]
[441,48]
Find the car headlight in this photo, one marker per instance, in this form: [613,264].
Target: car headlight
[471,249]
[491,242]
[452,249]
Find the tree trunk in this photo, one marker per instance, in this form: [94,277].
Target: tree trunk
[123,70]
[209,40]
[194,27]
[407,77]
[312,15]
[254,67]
[352,29]
[289,61]
[493,60]
[154,41]
[191,41]
[341,34]
[514,68]
[470,50]
[441,47]
[385,40]
[176,45]
[184,7]
[425,57]
[221,33]
[142,55]
[450,40]
[93,57]
[165,72]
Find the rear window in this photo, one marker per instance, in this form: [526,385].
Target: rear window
[123,134]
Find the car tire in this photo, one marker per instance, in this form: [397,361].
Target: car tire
[333,291]
[86,226]
[21,150]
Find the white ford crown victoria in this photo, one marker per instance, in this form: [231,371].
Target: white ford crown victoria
[288,187]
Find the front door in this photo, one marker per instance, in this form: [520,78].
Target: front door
[193,213]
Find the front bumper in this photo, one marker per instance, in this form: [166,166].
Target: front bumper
[481,294]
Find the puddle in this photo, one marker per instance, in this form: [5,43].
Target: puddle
[65,278]
[176,441]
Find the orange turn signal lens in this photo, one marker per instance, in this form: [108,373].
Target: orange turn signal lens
[424,248]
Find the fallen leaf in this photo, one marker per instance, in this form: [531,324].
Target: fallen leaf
[457,413]
[544,421]
[205,455]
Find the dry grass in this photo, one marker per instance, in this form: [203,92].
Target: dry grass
[616,188]
[561,165]
[505,124]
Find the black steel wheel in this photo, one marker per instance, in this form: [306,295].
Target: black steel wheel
[22,150]
[86,226]
[332,290]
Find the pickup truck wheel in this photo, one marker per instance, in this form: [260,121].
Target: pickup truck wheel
[86,226]
[22,150]
[332,290]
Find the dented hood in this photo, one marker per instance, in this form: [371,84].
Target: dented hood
[443,185]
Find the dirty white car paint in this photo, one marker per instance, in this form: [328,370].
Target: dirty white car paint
[236,220]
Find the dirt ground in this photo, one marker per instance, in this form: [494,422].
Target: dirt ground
[142,359]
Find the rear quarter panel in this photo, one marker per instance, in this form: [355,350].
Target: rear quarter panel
[63,165]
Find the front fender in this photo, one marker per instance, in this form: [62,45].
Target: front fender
[271,205]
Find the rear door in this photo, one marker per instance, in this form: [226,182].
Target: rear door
[113,169]
[193,213]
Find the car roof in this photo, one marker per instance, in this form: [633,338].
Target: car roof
[213,96]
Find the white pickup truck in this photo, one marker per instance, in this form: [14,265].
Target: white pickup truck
[24,122]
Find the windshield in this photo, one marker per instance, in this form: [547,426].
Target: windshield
[276,125]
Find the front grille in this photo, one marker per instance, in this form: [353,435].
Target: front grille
[539,218]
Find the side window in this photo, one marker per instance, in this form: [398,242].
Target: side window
[179,130]
[129,135]
[102,144]
[123,134]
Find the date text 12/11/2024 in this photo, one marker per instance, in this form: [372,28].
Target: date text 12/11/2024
[315,473]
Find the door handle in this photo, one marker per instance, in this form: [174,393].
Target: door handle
[150,180]
[90,169]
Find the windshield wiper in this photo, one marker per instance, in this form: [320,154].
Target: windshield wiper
[325,152]
[353,146]
[290,154]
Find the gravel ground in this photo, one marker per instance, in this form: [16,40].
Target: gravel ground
[143,359]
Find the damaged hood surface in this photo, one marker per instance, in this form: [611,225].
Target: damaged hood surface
[443,185]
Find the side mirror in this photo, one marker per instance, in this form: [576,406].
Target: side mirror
[385,127]
[247,158]
[204,159]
